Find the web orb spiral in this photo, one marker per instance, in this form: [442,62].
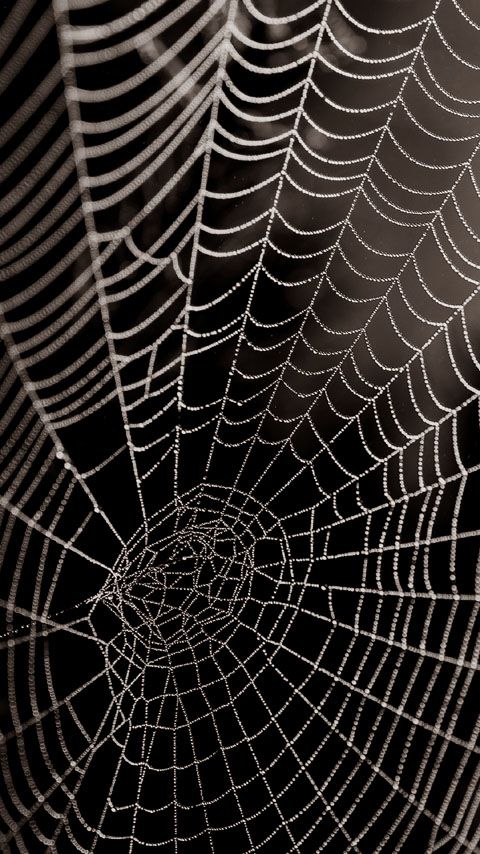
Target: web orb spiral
[239,455]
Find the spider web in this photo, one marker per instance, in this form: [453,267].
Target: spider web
[240,315]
